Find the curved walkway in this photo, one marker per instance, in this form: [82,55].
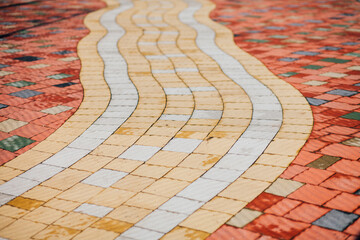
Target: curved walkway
[181,132]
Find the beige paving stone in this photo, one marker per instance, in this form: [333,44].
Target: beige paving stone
[185,174]
[129,214]
[41,193]
[225,205]
[206,221]
[56,232]
[130,131]
[222,134]
[10,125]
[28,229]
[163,131]
[244,217]
[146,200]
[185,234]
[156,141]
[200,161]
[208,122]
[197,128]
[191,135]
[108,150]
[263,172]
[44,215]
[111,197]
[133,183]
[25,203]
[274,160]
[151,171]
[167,158]
[244,189]
[289,147]
[13,212]
[168,123]
[94,233]
[283,187]
[66,179]
[5,221]
[76,221]
[62,205]
[48,146]
[218,146]
[91,163]
[7,173]
[109,224]
[80,192]
[28,160]
[123,165]
[166,187]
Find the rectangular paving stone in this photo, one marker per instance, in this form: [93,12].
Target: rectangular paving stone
[283,187]
[315,101]
[336,220]
[249,146]
[175,117]
[220,174]
[93,210]
[56,110]
[313,67]
[20,84]
[26,93]
[41,172]
[244,217]
[161,221]
[203,189]
[5,198]
[66,157]
[181,205]
[206,114]
[334,60]
[11,124]
[28,58]
[353,115]
[236,161]
[139,152]
[104,178]
[15,143]
[182,145]
[307,53]
[177,91]
[140,233]
[17,186]
[3,106]
[203,89]
[60,76]
[341,92]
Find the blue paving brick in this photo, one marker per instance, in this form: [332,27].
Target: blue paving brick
[26,93]
[315,101]
[288,59]
[341,92]
[330,48]
[306,53]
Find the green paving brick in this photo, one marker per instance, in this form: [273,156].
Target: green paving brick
[20,84]
[288,74]
[323,162]
[256,40]
[353,54]
[314,67]
[353,115]
[59,76]
[15,143]
[334,60]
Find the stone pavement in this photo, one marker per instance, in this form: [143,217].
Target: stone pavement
[156,124]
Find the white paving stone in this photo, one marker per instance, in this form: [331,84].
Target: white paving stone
[206,114]
[161,221]
[181,205]
[236,161]
[175,117]
[139,152]
[249,146]
[104,178]
[66,157]
[182,145]
[177,91]
[93,210]
[203,89]
[41,172]
[220,174]
[137,233]
[17,186]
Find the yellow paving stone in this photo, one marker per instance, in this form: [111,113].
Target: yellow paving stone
[163,131]
[156,141]
[121,140]
[191,135]
[56,232]
[206,221]
[200,161]
[167,158]
[263,172]
[62,205]
[275,160]
[168,123]
[166,187]
[218,146]
[208,122]
[94,233]
[7,173]
[5,221]
[152,171]
[225,205]
[28,229]
[13,212]
[108,150]
[111,197]
[41,193]
[25,203]
[66,179]
[44,215]
[133,183]
[130,131]
[145,200]
[129,214]
[185,174]
[28,160]
[80,192]
[123,165]
[197,128]
[244,189]
[289,147]
[92,163]
[109,224]
[48,146]
[77,221]
[185,234]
